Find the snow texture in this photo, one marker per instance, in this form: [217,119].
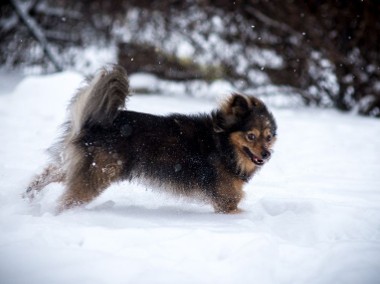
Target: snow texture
[312,215]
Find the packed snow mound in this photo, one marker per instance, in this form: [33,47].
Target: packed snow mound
[312,215]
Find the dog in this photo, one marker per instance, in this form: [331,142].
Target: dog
[210,156]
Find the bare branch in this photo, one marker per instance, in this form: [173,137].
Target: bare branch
[37,33]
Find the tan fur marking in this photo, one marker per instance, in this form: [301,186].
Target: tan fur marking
[267,132]
[256,102]
[254,131]
[229,194]
[238,139]
[90,181]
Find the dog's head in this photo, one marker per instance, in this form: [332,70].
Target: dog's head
[250,128]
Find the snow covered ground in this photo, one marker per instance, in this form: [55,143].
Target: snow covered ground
[312,215]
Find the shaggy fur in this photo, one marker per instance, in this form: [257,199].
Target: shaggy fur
[206,155]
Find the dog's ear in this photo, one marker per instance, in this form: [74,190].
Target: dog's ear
[231,111]
[218,121]
[239,105]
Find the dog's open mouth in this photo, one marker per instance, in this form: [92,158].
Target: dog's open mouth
[256,160]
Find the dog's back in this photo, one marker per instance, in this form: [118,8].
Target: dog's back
[172,151]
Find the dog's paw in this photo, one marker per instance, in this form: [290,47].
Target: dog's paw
[29,194]
[229,211]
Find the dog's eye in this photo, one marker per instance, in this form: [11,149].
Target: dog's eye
[251,136]
[269,138]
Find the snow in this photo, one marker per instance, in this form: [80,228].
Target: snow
[146,83]
[312,215]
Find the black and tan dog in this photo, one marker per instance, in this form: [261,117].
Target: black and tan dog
[206,155]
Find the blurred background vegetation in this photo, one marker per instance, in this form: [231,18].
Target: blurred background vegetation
[325,53]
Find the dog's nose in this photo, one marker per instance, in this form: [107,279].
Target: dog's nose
[265,154]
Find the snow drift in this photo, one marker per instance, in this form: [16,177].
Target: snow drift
[312,215]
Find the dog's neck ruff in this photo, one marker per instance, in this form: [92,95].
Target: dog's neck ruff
[232,167]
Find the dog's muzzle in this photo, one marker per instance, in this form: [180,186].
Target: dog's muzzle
[256,160]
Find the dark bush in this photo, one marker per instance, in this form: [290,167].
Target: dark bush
[327,52]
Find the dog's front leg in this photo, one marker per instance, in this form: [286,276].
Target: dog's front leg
[228,196]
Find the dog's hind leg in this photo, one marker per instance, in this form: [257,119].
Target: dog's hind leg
[89,180]
[51,173]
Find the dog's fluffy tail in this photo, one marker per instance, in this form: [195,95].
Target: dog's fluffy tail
[98,103]
[100,100]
